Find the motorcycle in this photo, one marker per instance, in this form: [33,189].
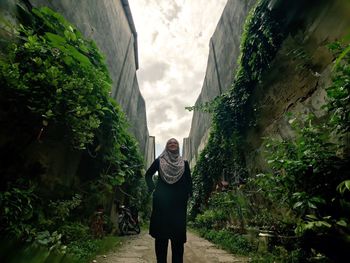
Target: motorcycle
[128,221]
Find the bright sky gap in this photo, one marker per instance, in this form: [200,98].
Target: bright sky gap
[173,46]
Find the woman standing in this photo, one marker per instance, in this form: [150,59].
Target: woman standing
[173,188]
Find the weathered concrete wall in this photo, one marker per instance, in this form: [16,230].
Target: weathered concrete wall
[297,84]
[222,61]
[109,23]
[151,154]
[292,84]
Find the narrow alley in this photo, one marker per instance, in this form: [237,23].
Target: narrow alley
[140,249]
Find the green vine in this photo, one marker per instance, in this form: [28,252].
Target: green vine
[261,39]
[55,75]
[306,185]
[55,87]
[339,91]
[58,75]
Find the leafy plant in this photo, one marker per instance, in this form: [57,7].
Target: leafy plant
[234,243]
[74,231]
[60,76]
[299,188]
[51,240]
[339,92]
[261,39]
[62,208]
[55,87]
[16,210]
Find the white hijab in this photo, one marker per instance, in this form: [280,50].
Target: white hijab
[172,166]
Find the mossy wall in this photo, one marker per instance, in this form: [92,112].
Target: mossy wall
[95,20]
[298,76]
[37,146]
[294,83]
[222,62]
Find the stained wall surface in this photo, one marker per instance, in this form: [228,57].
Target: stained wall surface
[109,23]
[294,84]
[222,61]
[297,84]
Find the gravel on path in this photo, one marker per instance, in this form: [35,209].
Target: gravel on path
[140,249]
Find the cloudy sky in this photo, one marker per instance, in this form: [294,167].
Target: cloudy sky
[173,46]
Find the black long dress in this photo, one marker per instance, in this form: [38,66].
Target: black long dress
[168,218]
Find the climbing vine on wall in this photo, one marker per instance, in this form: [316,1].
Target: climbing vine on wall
[260,41]
[309,173]
[58,76]
[55,86]
[55,75]
[305,192]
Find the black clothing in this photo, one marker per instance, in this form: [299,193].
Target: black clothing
[177,248]
[168,219]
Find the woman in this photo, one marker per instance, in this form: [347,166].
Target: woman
[173,188]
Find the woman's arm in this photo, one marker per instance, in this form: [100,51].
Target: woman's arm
[149,175]
[189,180]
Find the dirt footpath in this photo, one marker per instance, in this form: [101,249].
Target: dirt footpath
[140,249]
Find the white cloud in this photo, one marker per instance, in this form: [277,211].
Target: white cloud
[173,43]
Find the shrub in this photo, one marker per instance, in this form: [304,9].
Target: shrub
[234,243]
[74,232]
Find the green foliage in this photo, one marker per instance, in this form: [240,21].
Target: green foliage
[279,254]
[77,252]
[16,210]
[309,175]
[50,240]
[343,186]
[225,209]
[304,167]
[62,208]
[301,57]
[55,86]
[339,92]
[306,171]
[234,243]
[81,250]
[74,232]
[85,250]
[306,187]
[60,76]
[56,79]
[33,253]
[210,219]
[261,39]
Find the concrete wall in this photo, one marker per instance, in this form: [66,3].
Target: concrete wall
[109,23]
[291,85]
[151,154]
[222,61]
[297,85]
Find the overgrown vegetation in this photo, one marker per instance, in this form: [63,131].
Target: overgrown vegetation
[82,251]
[306,173]
[260,41]
[303,199]
[55,90]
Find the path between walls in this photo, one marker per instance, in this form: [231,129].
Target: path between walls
[140,249]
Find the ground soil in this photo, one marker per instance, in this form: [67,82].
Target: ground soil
[140,249]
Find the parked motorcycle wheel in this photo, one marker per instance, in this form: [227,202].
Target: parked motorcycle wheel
[137,229]
[123,228]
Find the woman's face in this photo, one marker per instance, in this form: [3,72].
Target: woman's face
[172,146]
